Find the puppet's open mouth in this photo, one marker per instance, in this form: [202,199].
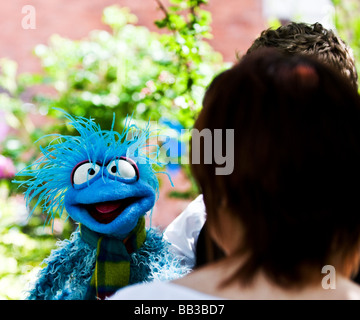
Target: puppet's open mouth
[105,212]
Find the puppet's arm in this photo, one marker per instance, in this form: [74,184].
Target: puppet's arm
[71,265]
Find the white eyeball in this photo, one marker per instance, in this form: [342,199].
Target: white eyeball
[123,168]
[84,172]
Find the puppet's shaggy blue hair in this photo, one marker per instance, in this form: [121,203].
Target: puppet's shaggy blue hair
[50,174]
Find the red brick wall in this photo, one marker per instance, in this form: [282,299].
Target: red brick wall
[235,24]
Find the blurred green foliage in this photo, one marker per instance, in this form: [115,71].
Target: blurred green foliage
[347,23]
[125,70]
[131,69]
[24,243]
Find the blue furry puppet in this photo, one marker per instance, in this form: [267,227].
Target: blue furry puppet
[107,184]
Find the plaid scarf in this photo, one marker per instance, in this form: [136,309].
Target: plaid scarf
[112,268]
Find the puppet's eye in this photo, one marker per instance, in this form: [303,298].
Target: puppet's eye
[83,172]
[123,168]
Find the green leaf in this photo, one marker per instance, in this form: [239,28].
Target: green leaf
[161,23]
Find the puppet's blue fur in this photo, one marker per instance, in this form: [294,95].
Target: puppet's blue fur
[70,267]
[49,175]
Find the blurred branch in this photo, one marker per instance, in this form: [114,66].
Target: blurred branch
[162,8]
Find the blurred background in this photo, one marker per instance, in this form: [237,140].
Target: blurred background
[98,57]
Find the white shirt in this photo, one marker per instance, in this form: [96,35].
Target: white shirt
[160,291]
[184,231]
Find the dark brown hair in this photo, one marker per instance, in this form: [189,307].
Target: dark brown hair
[296,181]
[310,39]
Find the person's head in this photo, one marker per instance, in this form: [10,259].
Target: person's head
[291,205]
[315,40]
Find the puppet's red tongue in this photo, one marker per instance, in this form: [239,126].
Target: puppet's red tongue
[106,207]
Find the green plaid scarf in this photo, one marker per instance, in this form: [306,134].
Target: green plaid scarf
[112,268]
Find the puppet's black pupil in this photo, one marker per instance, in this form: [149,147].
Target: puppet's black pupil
[113,169]
[91,171]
